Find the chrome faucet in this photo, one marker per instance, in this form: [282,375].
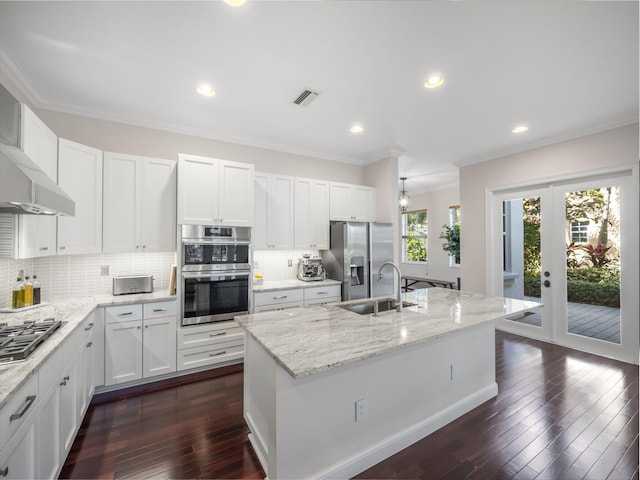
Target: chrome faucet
[379,277]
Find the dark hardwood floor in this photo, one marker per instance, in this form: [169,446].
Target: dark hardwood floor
[559,414]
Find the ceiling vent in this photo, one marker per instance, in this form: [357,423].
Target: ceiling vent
[305,98]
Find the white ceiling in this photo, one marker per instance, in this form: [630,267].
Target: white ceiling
[563,68]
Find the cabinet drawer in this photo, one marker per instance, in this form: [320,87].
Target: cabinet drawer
[204,356]
[189,337]
[18,409]
[277,296]
[278,306]
[123,313]
[322,292]
[321,301]
[160,309]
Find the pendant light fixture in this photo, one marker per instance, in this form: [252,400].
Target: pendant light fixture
[403,198]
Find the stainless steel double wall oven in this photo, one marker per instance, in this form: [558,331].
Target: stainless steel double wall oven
[215,273]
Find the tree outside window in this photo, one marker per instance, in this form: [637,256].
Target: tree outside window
[414,236]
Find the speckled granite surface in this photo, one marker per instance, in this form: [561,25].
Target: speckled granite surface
[305,341]
[73,312]
[273,285]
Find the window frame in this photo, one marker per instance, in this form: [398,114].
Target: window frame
[454,215]
[581,230]
[404,237]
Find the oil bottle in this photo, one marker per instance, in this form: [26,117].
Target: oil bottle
[36,290]
[28,293]
[17,295]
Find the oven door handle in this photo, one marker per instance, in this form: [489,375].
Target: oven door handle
[215,242]
[241,274]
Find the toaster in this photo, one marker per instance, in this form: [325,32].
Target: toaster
[126,284]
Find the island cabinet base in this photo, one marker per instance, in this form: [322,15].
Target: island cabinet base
[307,428]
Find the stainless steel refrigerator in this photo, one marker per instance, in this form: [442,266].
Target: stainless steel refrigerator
[356,252]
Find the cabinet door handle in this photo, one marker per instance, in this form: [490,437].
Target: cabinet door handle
[63,383]
[280,297]
[125,314]
[89,344]
[322,293]
[5,471]
[89,327]
[159,309]
[66,377]
[27,405]
[217,334]
[62,247]
[216,354]
[44,249]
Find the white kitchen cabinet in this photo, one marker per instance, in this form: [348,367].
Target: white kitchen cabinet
[18,458]
[201,346]
[322,295]
[352,203]
[49,441]
[80,176]
[139,204]
[311,213]
[277,300]
[69,404]
[274,195]
[37,233]
[215,192]
[139,342]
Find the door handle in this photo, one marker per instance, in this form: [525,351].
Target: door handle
[546,274]
[547,283]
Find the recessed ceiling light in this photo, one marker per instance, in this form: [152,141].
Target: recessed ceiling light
[434,81]
[206,90]
[520,129]
[235,3]
[357,129]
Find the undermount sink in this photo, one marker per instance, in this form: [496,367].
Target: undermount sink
[367,308]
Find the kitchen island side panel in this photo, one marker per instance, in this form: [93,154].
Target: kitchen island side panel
[307,426]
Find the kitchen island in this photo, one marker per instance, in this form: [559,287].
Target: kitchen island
[329,392]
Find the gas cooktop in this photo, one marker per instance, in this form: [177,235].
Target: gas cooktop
[17,342]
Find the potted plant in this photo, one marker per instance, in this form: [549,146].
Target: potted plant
[451,235]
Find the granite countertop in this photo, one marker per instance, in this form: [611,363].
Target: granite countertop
[306,341]
[72,312]
[274,285]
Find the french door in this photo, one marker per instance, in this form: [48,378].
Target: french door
[573,246]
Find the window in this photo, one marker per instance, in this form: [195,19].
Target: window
[579,231]
[454,235]
[414,237]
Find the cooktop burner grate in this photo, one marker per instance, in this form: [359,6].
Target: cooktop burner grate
[17,342]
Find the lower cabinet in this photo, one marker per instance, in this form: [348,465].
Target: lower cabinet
[140,341]
[39,424]
[210,344]
[277,300]
[295,298]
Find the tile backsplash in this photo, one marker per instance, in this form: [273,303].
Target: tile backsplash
[274,264]
[66,276]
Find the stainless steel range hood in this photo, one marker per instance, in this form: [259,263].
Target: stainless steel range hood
[24,187]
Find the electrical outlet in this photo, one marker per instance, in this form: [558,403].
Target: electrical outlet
[104,270]
[290,263]
[361,409]
[256,264]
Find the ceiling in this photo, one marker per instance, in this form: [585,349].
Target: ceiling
[562,68]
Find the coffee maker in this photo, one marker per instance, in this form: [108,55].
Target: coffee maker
[310,268]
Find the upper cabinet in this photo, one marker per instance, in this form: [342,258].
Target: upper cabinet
[311,213]
[273,212]
[37,233]
[215,192]
[139,204]
[80,175]
[352,203]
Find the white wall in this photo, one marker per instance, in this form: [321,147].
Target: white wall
[437,204]
[608,150]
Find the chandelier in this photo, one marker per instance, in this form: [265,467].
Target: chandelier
[403,198]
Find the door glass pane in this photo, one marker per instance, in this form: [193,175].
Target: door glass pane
[593,263]
[521,254]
